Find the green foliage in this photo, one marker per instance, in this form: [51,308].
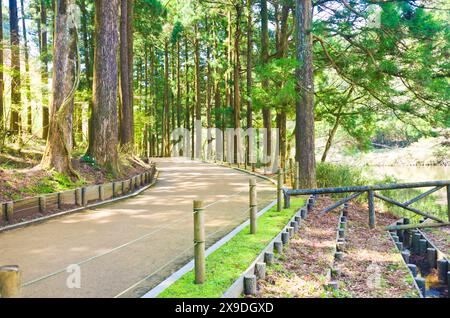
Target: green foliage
[332,175]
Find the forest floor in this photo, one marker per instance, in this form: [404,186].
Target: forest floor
[21,177]
[372,266]
[440,237]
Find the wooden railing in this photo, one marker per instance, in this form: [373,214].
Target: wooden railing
[16,211]
[372,194]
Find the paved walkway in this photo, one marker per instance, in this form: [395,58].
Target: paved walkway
[126,248]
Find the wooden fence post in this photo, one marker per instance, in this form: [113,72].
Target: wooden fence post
[101,192]
[253,206]
[448,202]
[372,217]
[9,211]
[279,190]
[78,200]
[199,242]
[42,204]
[10,282]
[84,200]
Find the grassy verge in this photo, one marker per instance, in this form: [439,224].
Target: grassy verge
[226,264]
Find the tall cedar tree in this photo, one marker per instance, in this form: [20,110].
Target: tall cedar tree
[104,113]
[65,80]
[126,76]
[305,147]
[15,125]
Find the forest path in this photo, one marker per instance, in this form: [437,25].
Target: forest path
[126,248]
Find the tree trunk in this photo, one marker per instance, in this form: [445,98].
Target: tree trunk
[85,18]
[305,138]
[237,80]
[2,83]
[208,91]
[104,117]
[27,70]
[44,71]
[57,154]
[166,115]
[15,124]
[126,78]
[249,77]
[267,113]
[178,85]
[198,110]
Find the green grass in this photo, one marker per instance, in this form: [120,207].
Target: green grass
[226,264]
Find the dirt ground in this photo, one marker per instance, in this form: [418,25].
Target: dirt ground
[441,238]
[21,177]
[126,248]
[301,271]
[372,267]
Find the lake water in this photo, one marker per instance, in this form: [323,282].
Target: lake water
[410,173]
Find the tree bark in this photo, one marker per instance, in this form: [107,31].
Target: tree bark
[305,138]
[85,18]
[198,109]
[166,115]
[44,71]
[27,70]
[57,154]
[126,77]
[15,125]
[267,113]
[104,117]
[237,80]
[249,75]
[2,83]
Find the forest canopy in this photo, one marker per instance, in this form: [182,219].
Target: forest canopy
[102,79]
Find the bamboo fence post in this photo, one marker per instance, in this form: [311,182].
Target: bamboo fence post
[253,206]
[10,282]
[199,242]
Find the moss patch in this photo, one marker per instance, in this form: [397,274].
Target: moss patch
[226,264]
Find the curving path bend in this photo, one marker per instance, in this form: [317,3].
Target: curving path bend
[126,248]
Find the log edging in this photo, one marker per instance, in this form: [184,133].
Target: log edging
[154,173]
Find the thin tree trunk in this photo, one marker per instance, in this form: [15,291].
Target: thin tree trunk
[2,83]
[178,85]
[126,80]
[104,117]
[27,70]
[331,136]
[88,68]
[15,125]
[198,110]
[166,114]
[249,77]
[208,91]
[237,80]
[267,114]
[44,71]
[305,138]
[57,154]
